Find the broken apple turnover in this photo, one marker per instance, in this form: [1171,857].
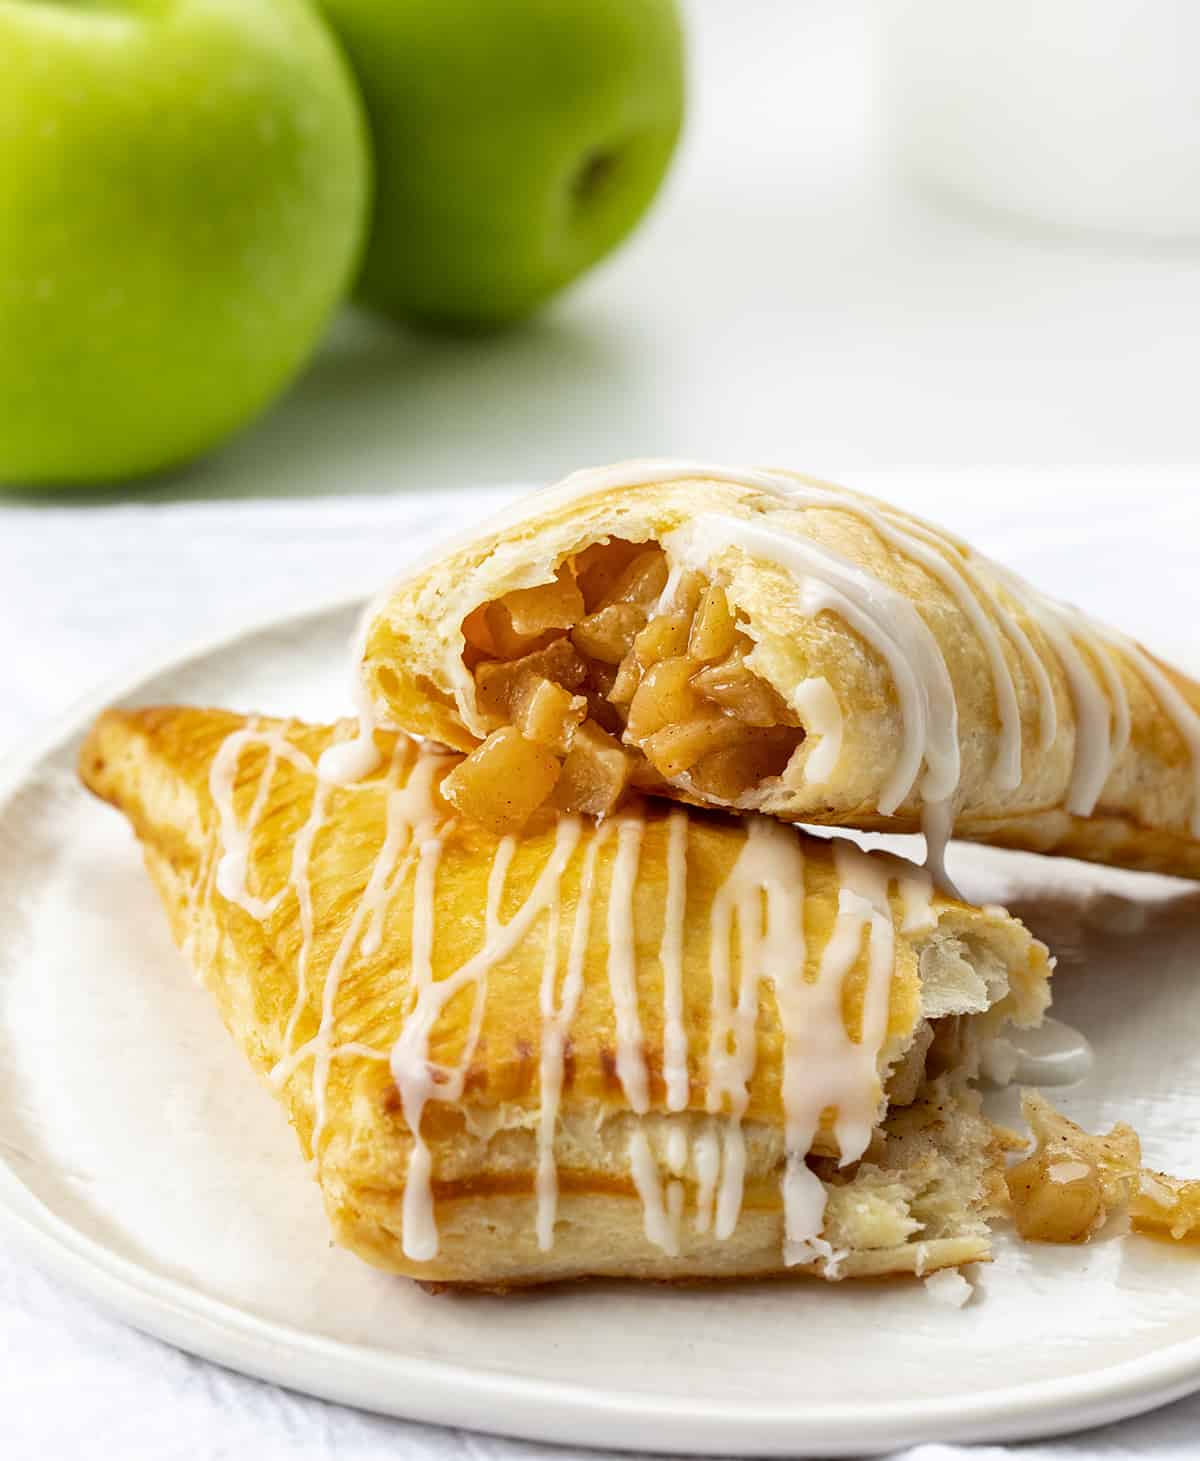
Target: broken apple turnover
[757,641]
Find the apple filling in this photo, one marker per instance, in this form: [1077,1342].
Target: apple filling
[1074,1181]
[617,675]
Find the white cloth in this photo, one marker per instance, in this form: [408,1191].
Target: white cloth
[86,592]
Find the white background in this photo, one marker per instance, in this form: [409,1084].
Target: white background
[789,301]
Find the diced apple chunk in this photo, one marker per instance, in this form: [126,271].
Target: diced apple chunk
[664,697]
[502,684]
[534,611]
[677,748]
[714,632]
[503,781]
[549,715]
[608,634]
[640,581]
[594,774]
[1166,1206]
[758,755]
[736,689]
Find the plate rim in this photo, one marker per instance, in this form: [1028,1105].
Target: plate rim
[441,1392]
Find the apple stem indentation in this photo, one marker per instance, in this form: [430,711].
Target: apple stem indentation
[594,175]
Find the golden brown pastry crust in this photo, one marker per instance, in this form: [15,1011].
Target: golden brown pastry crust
[1144,816]
[914,1201]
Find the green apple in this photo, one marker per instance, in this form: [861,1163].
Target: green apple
[516,143]
[184,187]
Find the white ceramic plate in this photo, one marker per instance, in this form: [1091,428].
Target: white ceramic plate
[141,1161]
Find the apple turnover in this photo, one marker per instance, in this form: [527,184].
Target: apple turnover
[758,641]
[672,1044]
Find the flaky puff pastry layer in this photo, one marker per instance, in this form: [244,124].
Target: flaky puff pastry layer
[887,640]
[333,925]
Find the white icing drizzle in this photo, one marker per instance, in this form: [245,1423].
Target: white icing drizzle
[396,834]
[707,1153]
[676,1196]
[822,1067]
[1179,711]
[677,1151]
[733,1177]
[675,1045]
[302,883]
[414,803]
[411,814]
[864,897]
[417,1079]
[815,702]
[1007,769]
[985,593]
[1097,746]
[836,1071]
[937,826]
[352,760]
[916,901]
[235,836]
[666,599]
[622,963]
[550,1085]
[733,1045]
[497,877]
[660,1218]
[556,1020]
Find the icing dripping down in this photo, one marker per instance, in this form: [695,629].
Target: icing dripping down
[937,826]
[818,707]
[1052,1054]
[396,835]
[755,937]
[556,1021]
[707,1153]
[661,1213]
[1007,769]
[834,1070]
[417,1078]
[236,836]
[350,761]
[675,1044]
[622,963]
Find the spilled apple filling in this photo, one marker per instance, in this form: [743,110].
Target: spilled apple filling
[1074,1181]
[618,674]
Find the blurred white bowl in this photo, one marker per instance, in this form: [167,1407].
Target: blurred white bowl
[1082,113]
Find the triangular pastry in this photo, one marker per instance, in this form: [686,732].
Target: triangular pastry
[670,1045]
[756,640]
